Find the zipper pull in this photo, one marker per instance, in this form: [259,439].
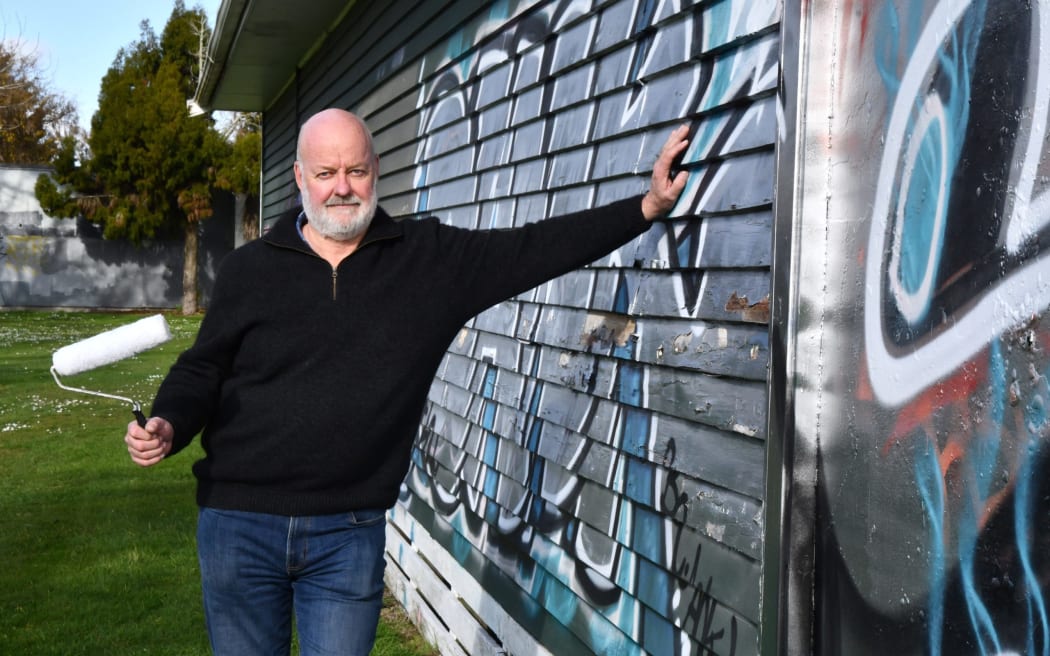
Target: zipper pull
[335,275]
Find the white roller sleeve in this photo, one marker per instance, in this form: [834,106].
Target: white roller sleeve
[111,346]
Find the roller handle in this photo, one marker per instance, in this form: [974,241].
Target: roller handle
[139,417]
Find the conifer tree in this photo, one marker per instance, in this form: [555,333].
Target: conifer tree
[149,169]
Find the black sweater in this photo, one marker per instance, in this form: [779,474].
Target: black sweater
[309,382]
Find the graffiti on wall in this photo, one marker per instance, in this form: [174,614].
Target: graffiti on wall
[551,461]
[942,540]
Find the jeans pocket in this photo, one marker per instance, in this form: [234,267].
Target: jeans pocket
[363,518]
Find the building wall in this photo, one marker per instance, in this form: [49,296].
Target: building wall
[922,356]
[589,471]
[64,262]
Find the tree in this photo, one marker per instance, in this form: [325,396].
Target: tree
[239,171]
[149,170]
[60,199]
[33,119]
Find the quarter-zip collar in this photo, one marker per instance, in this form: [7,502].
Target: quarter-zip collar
[285,233]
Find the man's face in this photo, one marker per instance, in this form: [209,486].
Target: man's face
[337,177]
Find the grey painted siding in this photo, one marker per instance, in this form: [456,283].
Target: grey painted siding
[588,474]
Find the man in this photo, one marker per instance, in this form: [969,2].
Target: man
[310,373]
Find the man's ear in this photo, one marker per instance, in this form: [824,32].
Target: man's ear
[297,168]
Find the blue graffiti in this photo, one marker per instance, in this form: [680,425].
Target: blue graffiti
[931,489]
[936,132]
[935,135]
[1036,423]
[985,458]
[983,461]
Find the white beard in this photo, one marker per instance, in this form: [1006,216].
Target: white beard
[340,229]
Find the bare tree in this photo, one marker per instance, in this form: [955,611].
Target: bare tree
[33,118]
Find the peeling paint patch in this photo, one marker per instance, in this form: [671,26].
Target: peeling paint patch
[757,312]
[750,431]
[681,342]
[717,531]
[606,329]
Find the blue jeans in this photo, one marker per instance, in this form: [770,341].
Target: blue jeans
[257,569]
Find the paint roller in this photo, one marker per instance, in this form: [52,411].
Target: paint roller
[108,347]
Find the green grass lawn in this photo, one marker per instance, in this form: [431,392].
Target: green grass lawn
[97,555]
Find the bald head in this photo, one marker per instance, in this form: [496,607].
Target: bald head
[331,122]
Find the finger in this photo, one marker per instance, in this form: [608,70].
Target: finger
[144,447]
[668,189]
[135,430]
[142,444]
[160,427]
[678,183]
[146,462]
[674,146]
[677,139]
[677,136]
[149,432]
[139,434]
[147,456]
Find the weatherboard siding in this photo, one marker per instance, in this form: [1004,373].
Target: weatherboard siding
[589,469]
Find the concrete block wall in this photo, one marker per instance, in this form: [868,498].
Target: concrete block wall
[64,262]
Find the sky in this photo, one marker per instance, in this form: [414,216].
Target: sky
[76,41]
